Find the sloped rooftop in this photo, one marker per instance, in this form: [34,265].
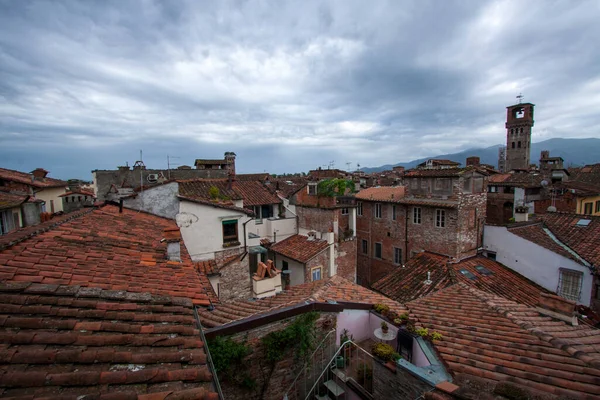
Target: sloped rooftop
[27,178]
[299,248]
[490,337]
[335,288]
[389,194]
[408,283]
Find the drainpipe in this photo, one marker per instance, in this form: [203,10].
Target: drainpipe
[245,242]
[405,232]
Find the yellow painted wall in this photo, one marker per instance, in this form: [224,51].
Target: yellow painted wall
[51,194]
[583,200]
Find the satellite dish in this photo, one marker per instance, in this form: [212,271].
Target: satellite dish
[544,183]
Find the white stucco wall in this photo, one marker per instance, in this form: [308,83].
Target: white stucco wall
[51,194]
[533,261]
[296,268]
[159,200]
[283,228]
[202,229]
[356,322]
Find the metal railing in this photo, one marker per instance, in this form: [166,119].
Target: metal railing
[349,369]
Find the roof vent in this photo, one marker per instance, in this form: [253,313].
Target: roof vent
[428,281]
[583,222]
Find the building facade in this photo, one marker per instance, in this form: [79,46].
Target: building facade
[519,121]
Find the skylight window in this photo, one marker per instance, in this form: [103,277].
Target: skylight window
[483,270]
[583,222]
[468,274]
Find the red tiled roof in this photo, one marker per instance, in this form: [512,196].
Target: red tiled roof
[79,342]
[255,193]
[253,177]
[407,284]
[217,204]
[517,179]
[585,240]
[588,174]
[26,178]
[104,249]
[490,337]
[385,194]
[11,200]
[535,233]
[335,288]
[579,188]
[439,161]
[299,248]
[82,192]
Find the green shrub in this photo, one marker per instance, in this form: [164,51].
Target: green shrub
[381,308]
[385,352]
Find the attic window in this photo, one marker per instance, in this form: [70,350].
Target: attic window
[483,270]
[468,274]
[583,222]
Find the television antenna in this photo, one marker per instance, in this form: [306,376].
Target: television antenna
[358,166]
[170,164]
[348,165]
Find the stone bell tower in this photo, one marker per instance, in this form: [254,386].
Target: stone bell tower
[519,121]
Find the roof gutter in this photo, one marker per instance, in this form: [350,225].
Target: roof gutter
[567,248]
[209,361]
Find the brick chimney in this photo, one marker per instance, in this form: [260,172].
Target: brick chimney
[39,174]
[230,160]
[173,238]
[473,160]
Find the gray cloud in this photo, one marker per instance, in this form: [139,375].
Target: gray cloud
[288,86]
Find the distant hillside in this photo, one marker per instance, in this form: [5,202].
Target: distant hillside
[574,151]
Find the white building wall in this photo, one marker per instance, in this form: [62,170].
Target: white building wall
[51,194]
[533,261]
[296,268]
[202,230]
[159,200]
[274,229]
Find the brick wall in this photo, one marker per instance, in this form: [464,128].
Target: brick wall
[390,233]
[234,282]
[285,370]
[345,258]
[316,219]
[471,218]
[397,384]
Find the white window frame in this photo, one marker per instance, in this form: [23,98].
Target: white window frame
[377,210]
[570,282]
[313,271]
[417,215]
[440,218]
[312,189]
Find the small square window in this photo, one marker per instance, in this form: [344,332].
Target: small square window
[377,210]
[416,215]
[230,231]
[344,211]
[316,273]
[569,284]
[377,250]
[312,189]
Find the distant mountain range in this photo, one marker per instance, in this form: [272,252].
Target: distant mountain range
[575,152]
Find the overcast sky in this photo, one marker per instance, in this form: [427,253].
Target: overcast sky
[287,85]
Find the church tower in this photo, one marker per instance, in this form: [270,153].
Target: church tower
[519,121]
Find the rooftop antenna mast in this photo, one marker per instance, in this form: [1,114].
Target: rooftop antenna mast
[520,97]
[170,164]
[358,167]
[348,165]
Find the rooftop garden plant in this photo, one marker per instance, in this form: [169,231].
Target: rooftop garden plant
[381,308]
[385,352]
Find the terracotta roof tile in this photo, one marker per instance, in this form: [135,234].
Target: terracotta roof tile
[439,161]
[81,192]
[103,248]
[255,193]
[56,344]
[442,172]
[332,289]
[299,248]
[589,174]
[384,194]
[518,179]
[491,337]
[27,178]
[11,200]
[429,202]
[252,193]
[408,283]
[585,240]
[535,233]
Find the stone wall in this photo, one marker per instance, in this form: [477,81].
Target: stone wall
[396,383]
[321,260]
[471,219]
[285,371]
[234,282]
[160,200]
[126,177]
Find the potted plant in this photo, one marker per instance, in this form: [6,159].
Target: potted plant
[384,327]
[381,308]
[385,352]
